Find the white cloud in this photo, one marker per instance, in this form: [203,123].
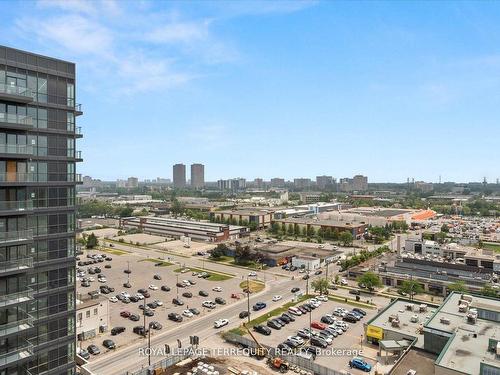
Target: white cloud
[78,6]
[179,32]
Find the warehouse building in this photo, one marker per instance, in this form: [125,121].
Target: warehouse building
[260,218]
[196,230]
[356,229]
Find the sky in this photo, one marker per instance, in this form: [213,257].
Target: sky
[269,89]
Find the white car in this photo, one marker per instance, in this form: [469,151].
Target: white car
[102,280]
[91,278]
[217,289]
[322,298]
[296,339]
[302,270]
[152,287]
[252,273]
[113,299]
[125,294]
[294,311]
[277,298]
[187,313]
[343,282]
[315,302]
[209,304]
[159,303]
[184,270]
[140,296]
[221,323]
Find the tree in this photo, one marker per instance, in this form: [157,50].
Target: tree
[441,237]
[445,228]
[92,241]
[304,231]
[320,285]
[346,238]
[411,287]
[177,207]
[370,280]
[242,254]
[274,228]
[219,251]
[488,291]
[458,286]
[291,229]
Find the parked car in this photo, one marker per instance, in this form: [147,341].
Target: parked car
[220,301]
[262,329]
[318,325]
[177,301]
[360,311]
[273,324]
[187,313]
[165,288]
[187,294]
[209,304]
[157,277]
[317,341]
[109,344]
[243,314]
[349,318]
[355,292]
[327,319]
[277,298]
[153,287]
[360,364]
[155,325]
[203,293]
[295,290]
[117,330]
[217,289]
[175,317]
[93,349]
[134,317]
[289,316]
[84,354]
[139,330]
[194,311]
[125,314]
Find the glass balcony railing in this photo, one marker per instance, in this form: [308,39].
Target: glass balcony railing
[16,264]
[16,205]
[15,236]
[24,350]
[17,297]
[16,149]
[78,154]
[17,177]
[11,118]
[15,90]
[78,130]
[17,326]
[78,177]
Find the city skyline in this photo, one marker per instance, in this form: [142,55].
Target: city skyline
[385,91]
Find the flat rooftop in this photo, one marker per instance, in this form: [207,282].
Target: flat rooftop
[468,346]
[406,327]
[244,211]
[418,360]
[332,223]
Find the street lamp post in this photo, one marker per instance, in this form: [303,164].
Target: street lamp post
[248,299]
[177,285]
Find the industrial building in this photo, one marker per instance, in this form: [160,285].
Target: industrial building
[92,316]
[356,229]
[196,230]
[463,333]
[261,218]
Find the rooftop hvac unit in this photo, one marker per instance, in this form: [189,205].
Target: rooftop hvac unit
[423,307]
[463,308]
[444,321]
[409,306]
[466,297]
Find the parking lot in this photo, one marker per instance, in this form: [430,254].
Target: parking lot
[142,276]
[341,350]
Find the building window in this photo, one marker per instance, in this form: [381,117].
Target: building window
[80,316]
[95,311]
[87,314]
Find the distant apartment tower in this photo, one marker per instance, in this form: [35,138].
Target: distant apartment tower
[302,183]
[233,184]
[132,182]
[258,183]
[37,214]
[324,182]
[277,182]
[197,176]
[360,183]
[179,176]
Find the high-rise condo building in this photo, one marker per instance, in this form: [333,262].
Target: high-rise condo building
[197,176]
[179,175]
[37,213]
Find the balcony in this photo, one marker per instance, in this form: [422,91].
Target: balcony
[78,178]
[15,236]
[15,119]
[24,350]
[78,156]
[78,109]
[16,206]
[15,93]
[18,326]
[22,264]
[17,177]
[17,297]
[16,150]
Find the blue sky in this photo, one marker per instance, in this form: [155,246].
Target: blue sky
[266,89]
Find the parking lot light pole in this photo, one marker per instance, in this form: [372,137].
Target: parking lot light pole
[248,299]
[177,285]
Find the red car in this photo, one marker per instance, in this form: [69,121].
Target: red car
[125,314]
[318,325]
[234,295]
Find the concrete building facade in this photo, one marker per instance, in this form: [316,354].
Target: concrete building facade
[179,176]
[197,176]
